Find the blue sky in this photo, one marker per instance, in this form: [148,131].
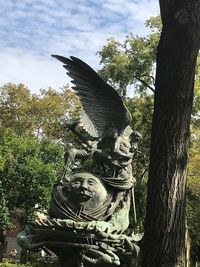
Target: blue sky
[32,30]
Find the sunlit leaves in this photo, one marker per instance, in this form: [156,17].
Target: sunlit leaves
[26,174]
[36,114]
[132,59]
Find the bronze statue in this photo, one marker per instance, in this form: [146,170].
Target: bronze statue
[89,211]
[104,114]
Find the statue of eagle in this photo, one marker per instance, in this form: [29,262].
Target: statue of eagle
[104,113]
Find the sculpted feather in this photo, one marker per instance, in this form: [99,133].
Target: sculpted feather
[104,113]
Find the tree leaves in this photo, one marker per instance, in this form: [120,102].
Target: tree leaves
[27,176]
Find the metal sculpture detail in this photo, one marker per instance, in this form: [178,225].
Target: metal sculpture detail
[89,211]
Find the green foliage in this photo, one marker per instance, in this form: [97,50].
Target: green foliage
[31,146]
[131,64]
[141,109]
[193,185]
[15,108]
[9,264]
[29,160]
[4,211]
[193,192]
[30,167]
[32,137]
[37,114]
[155,24]
[132,61]
[49,107]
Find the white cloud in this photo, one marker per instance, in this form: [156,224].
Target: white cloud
[35,72]
[31,30]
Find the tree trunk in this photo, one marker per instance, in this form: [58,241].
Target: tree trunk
[176,60]
[2,243]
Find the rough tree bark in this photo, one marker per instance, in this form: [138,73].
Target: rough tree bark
[2,242]
[176,59]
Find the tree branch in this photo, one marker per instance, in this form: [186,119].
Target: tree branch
[145,84]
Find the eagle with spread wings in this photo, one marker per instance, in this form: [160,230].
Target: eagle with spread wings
[104,113]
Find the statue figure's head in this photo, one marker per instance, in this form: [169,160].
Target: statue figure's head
[84,189]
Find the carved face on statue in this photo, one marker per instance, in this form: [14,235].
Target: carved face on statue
[85,189]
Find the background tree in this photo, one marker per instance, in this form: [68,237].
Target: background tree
[31,144]
[36,114]
[129,66]
[193,184]
[49,107]
[30,167]
[4,220]
[131,62]
[141,107]
[176,60]
[34,120]
[15,108]
[32,141]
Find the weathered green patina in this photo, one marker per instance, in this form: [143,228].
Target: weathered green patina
[89,211]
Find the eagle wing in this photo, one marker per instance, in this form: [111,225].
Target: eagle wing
[104,112]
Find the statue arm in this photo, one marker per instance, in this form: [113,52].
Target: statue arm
[103,157]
